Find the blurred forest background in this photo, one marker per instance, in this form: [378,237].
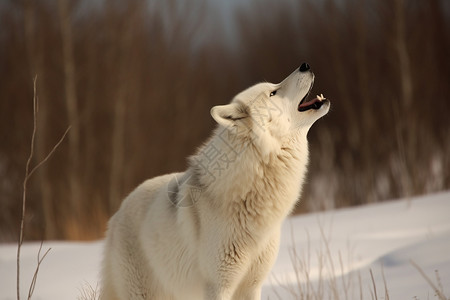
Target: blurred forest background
[136,79]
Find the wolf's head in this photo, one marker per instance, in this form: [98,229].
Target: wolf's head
[274,112]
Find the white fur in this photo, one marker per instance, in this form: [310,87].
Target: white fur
[212,232]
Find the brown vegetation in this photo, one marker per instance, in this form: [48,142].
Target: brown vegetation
[135,82]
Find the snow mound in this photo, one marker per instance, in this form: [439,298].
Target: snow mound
[328,254]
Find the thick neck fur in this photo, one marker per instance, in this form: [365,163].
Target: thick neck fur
[261,180]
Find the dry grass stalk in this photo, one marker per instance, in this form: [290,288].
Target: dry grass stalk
[307,288]
[88,292]
[386,292]
[374,285]
[327,284]
[438,290]
[360,286]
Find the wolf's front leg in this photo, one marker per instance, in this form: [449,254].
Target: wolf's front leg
[248,294]
[250,285]
[224,280]
[217,292]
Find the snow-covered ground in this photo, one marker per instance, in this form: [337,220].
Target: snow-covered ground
[349,243]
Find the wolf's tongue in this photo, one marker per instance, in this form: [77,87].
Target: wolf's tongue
[315,103]
[308,104]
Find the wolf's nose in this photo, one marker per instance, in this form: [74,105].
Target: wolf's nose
[304,67]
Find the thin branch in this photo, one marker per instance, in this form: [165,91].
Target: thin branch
[28,174]
[39,261]
[51,152]
[25,182]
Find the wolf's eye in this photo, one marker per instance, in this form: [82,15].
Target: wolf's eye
[273,93]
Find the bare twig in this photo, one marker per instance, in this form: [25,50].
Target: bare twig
[39,261]
[25,181]
[28,174]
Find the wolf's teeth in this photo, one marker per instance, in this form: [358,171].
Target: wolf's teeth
[320,97]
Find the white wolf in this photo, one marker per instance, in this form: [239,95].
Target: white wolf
[213,231]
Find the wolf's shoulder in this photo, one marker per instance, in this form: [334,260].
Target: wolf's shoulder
[147,192]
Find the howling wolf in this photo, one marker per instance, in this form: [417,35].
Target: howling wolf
[213,231]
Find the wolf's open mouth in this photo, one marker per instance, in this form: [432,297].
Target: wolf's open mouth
[315,103]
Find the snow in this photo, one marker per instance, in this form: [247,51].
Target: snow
[330,254]
[382,237]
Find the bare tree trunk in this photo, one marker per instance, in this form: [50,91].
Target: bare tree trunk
[402,53]
[119,116]
[75,197]
[118,152]
[339,68]
[440,32]
[368,118]
[125,95]
[407,137]
[35,58]
[362,59]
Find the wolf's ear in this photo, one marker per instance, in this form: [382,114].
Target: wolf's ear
[227,115]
